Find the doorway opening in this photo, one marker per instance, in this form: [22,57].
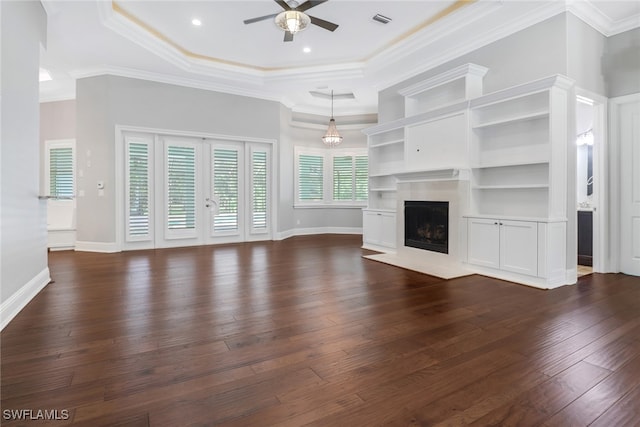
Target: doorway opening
[590,189]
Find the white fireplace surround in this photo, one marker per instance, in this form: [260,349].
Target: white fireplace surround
[450,265]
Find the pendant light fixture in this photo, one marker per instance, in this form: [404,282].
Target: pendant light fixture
[332,137]
[292,21]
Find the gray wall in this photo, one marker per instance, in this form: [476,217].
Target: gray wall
[585,53]
[57,121]
[622,63]
[23,233]
[305,218]
[106,101]
[530,54]
[285,173]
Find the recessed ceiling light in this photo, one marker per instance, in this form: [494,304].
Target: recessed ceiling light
[306,49]
[196,22]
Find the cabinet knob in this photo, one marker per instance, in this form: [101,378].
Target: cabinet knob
[495,223]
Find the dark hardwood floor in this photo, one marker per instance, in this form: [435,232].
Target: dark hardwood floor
[305,331]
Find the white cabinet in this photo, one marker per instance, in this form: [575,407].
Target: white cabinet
[379,229]
[504,244]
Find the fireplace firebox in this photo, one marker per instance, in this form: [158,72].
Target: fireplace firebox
[426,225]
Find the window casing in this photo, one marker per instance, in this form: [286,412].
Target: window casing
[335,178]
[60,165]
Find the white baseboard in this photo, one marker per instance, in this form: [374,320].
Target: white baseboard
[16,302]
[317,230]
[60,240]
[102,247]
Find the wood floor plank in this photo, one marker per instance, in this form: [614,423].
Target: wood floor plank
[625,412]
[306,332]
[596,401]
[546,399]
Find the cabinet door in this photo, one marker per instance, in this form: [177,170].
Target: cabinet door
[388,230]
[371,227]
[519,247]
[484,242]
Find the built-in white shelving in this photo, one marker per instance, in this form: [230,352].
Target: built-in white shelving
[458,84]
[511,147]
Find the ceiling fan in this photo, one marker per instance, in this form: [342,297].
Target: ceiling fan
[293,19]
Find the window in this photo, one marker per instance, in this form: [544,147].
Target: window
[310,178]
[181,187]
[337,177]
[138,189]
[225,185]
[60,167]
[259,189]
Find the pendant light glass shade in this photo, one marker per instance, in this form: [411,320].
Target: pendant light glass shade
[332,137]
[292,21]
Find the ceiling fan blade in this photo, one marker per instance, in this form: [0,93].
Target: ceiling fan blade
[260,18]
[288,36]
[324,24]
[309,4]
[283,4]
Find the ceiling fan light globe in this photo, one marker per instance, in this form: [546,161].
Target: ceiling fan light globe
[292,21]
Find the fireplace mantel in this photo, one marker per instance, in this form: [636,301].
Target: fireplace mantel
[446,174]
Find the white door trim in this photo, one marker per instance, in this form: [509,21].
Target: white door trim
[614,165]
[120,179]
[601,234]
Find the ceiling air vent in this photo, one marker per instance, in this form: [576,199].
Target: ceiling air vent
[381,18]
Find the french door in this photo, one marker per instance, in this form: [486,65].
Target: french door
[189,191]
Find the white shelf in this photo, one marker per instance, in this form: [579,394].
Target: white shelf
[509,187]
[445,174]
[387,143]
[381,174]
[514,119]
[383,189]
[489,165]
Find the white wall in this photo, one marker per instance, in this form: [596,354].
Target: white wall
[23,238]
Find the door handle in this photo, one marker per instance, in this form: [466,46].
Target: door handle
[210,202]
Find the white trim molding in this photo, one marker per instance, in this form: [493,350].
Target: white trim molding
[101,247]
[615,178]
[282,235]
[16,302]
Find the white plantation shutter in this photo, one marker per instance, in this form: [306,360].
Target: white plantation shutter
[225,187]
[259,186]
[138,218]
[181,187]
[343,178]
[61,181]
[335,176]
[310,178]
[362,178]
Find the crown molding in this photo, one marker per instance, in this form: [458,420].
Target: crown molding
[173,80]
[464,46]
[57,97]
[590,14]
[560,81]
[446,77]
